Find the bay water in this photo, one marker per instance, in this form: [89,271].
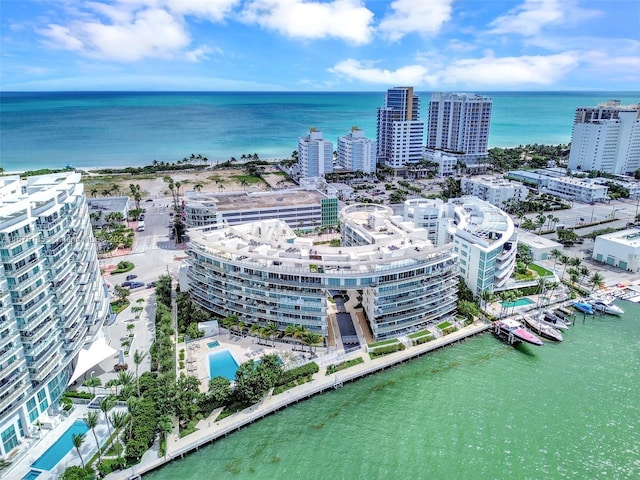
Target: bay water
[480,409]
[118,129]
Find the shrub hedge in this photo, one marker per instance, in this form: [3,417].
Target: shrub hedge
[293,374]
[379,352]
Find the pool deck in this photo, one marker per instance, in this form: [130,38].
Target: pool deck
[47,437]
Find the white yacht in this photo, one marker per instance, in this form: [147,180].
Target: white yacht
[605,304]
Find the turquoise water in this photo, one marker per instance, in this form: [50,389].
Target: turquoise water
[477,410]
[213,344]
[88,129]
[521,302]
[222,364]
[58,450]
[31,475]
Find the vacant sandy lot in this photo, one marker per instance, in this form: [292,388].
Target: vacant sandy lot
[156,185]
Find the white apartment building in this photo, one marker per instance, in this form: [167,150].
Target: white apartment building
[459,123]
[486,243]
[315,155]
[495,190]
[619,249]
[606,138]
[53,300]
[263,273]
[356,152]
[484,237]
[585,190]
[400,132]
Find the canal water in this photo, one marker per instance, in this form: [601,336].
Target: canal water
[480,409]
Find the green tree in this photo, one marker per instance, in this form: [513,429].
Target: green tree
[78,440]
[106,404]
[596,280]
[138,358]
[92,382]
[77,473]
[92,420]
[122,293]
[219,390]
[311,339]
[187,399]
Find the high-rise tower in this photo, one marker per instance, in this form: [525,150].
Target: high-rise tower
[53,301]
[400,132]
[315,154]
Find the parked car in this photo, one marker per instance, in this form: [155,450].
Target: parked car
[141,217]
[132,276]
[125,284]
[151,285]
[137,284]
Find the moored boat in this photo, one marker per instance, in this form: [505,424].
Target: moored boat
[543,329]
[513,331]
[554,320]
[583,307]
[605,304]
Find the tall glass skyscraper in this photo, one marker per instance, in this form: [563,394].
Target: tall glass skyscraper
[53,300]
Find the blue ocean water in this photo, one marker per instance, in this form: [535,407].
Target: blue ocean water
[90,129]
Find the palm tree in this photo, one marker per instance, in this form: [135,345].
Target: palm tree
[125,380]
[271,331]
[556,252]
[165,426]
[92,420]
[119,420]
[198,187]
[78,440]
[243,184]
[106,404]
[92,382]
[584,272]
[311,339]
[132,405]
[138,357]
[564,260]
[487,297]
[94,191]
[596,280]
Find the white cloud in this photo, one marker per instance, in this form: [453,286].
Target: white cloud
[61,37]
[409,75]
[214,10]
[347,20]
[425,17]
[491,72]
[488,72]
[532,16]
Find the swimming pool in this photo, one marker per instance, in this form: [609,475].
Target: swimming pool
[213,344]
[222,364]
[33,474]
[521,302]
[58,450]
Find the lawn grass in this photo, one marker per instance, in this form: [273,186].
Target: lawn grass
[444,325]
[383,342]
[343,365]
[419,334]
[541,271]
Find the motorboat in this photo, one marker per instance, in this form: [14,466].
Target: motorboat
[513,331]
[605,304]
[583,307]
[543,329]
[554,320]
[564,316]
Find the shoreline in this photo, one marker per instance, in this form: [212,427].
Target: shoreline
[178,448]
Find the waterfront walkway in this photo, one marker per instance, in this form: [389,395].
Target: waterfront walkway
[208,430]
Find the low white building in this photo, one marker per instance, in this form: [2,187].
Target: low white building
[495,190]
[100,208]
[539,246]
[619,249]
[577,189]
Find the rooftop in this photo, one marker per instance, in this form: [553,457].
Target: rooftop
[255,200]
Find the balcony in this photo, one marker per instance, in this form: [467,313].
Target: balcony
[13,241]
[44,367]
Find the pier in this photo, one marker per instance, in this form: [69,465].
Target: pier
[211,431]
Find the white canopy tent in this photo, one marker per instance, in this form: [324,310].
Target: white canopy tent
[90,357]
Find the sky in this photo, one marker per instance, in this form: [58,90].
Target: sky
[319,45]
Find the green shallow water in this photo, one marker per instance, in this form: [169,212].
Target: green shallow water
[480,409]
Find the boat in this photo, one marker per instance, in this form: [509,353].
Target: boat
[554,320]
[605,304]
[567,318]
[583,307]
[543,329]
[513,331]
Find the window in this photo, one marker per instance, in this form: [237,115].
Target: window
[9,439]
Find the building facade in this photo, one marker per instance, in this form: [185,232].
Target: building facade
[315,155]
[303,208]
[496,191]
[585,190]
[356,152]
[606,138]
[400,133]
[459,123]
[53,300]
[263,273]
[619,249]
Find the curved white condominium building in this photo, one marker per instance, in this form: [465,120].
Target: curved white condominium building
[263,273]
[53,300]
